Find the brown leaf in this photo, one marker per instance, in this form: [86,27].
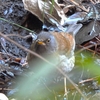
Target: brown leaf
[40,8]
[87,32]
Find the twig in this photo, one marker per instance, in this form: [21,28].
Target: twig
[24,37]
[37,55]
[17,25]
[8,54]
[5,89]
[88,80]
[97,39]
[92,2]
[75,3]
[25,49]
[86,48]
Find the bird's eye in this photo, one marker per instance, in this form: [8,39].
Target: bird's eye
[48,40]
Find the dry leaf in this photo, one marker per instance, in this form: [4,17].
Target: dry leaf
[40,8]
[73,19]
[32,6]
[90,29]
[88,32]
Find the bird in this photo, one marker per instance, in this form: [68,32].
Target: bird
[57,45]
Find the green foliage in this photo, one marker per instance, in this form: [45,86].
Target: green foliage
[51,9]
[88,61]
[39,83]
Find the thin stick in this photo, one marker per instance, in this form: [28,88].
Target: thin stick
[25,49]
[85,48]
[20,36]
[17,25]
[75,3]
[88,80]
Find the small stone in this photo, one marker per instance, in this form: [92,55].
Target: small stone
[3,97]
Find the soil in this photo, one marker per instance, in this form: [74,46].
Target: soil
[10,69]
[12,11]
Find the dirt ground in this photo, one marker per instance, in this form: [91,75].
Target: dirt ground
[13,12]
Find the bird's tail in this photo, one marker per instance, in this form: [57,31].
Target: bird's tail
[74,28]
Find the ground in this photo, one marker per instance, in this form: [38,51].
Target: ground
[10,69]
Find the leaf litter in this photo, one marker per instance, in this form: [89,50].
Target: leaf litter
[13,65]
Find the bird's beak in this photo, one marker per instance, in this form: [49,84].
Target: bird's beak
[41,43]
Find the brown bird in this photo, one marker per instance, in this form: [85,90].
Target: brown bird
[60,45]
